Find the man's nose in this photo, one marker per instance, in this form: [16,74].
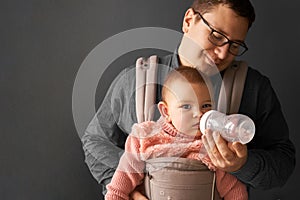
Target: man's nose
[222,51]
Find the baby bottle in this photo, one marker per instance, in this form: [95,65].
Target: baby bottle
[233,128]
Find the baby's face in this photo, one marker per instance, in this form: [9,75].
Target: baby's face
[186,104]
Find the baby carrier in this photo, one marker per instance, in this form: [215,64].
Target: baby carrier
[173,178]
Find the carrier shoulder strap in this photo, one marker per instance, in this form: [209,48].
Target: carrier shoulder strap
[232,87]
[146,78]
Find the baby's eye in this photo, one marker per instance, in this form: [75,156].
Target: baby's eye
[186,106]
[206,106]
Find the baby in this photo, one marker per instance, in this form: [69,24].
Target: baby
[185,98]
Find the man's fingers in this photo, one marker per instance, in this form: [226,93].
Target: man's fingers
[211,148]
[240,149]
[222,146]
[211,141]
[208,141]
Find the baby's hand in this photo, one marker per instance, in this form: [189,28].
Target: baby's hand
[136,195]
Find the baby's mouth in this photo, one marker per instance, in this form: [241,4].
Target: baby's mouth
[197,125]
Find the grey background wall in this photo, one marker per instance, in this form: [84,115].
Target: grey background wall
[42,45]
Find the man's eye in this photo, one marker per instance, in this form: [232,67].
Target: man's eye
[186,106]
[235,46]
[217,36]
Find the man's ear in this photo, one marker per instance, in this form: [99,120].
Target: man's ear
[163,109]
[188,20]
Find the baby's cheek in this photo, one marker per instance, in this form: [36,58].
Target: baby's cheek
[178,123]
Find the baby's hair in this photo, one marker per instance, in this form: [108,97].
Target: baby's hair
[189,74]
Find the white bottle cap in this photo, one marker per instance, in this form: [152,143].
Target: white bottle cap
[203,120]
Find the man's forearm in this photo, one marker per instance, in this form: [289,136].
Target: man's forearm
[266,170]
[102,159]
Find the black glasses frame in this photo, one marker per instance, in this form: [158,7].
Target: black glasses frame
[230,42]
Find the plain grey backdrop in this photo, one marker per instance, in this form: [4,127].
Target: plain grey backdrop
[44,42]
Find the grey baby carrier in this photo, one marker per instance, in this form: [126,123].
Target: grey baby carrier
[173,178]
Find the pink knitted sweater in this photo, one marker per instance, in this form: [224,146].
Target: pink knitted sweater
[160,139]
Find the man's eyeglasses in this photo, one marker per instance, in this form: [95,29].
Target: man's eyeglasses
[219,39]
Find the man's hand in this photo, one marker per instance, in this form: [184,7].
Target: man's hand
[224,155]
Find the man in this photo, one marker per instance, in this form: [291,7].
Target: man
[220,28]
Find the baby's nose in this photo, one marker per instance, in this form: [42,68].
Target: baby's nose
[197,113]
